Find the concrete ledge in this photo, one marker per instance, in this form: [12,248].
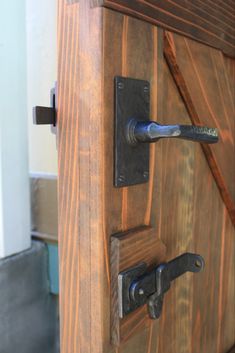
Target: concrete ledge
[28,312]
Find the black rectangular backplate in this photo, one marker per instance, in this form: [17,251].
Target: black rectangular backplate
[125,278]
[132,101]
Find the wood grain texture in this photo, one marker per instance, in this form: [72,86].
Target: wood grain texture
[202,77]
[136,51]
[127,250]
[210,22]
[193,218]
[218,251]
[181,202]
[176,172]
[80,150]
[90,208]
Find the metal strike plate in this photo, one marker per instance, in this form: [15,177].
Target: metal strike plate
[47,115]
[132,101]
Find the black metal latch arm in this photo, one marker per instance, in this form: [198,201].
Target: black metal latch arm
[138,287]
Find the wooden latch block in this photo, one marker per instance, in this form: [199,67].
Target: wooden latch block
[128,249]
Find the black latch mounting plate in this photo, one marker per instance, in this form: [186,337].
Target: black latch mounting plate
[132,101]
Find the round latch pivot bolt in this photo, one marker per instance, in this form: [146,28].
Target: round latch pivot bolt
[146,175]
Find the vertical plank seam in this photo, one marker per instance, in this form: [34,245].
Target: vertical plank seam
[75,190]
[105,236]
[69,188]
[220,89]
[221,275]
[62,153]
[154,112]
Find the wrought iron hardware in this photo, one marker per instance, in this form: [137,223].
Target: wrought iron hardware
[46,115]
[138,286]
[138,131]
[134,130]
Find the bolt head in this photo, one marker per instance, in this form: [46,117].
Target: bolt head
[146,88]
[120,85]
[121,178]
[146,175]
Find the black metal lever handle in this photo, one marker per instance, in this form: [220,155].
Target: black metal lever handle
[150,131]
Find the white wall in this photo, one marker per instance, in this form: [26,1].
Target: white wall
[41,73]
[14,182]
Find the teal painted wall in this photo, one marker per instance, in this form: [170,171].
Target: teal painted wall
[53,268]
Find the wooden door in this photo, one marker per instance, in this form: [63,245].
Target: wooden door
[188,203]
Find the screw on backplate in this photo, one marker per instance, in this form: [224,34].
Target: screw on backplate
[146,88]
[146,175]
[121,179]
[120,85]
[141,291]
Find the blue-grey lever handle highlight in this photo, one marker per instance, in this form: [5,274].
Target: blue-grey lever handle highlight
[150,131]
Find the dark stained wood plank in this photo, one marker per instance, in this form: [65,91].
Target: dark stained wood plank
[209,13]
[80,150]
[136,56]
[181,202]
[229,71]
[209,243]
[209,229]
[219,324]
[220,234]
[128,249]
[226,307]
[209,22]
[90,208]
[176,172]
[139,47]
[203,83]
[196,312]
[224,9]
